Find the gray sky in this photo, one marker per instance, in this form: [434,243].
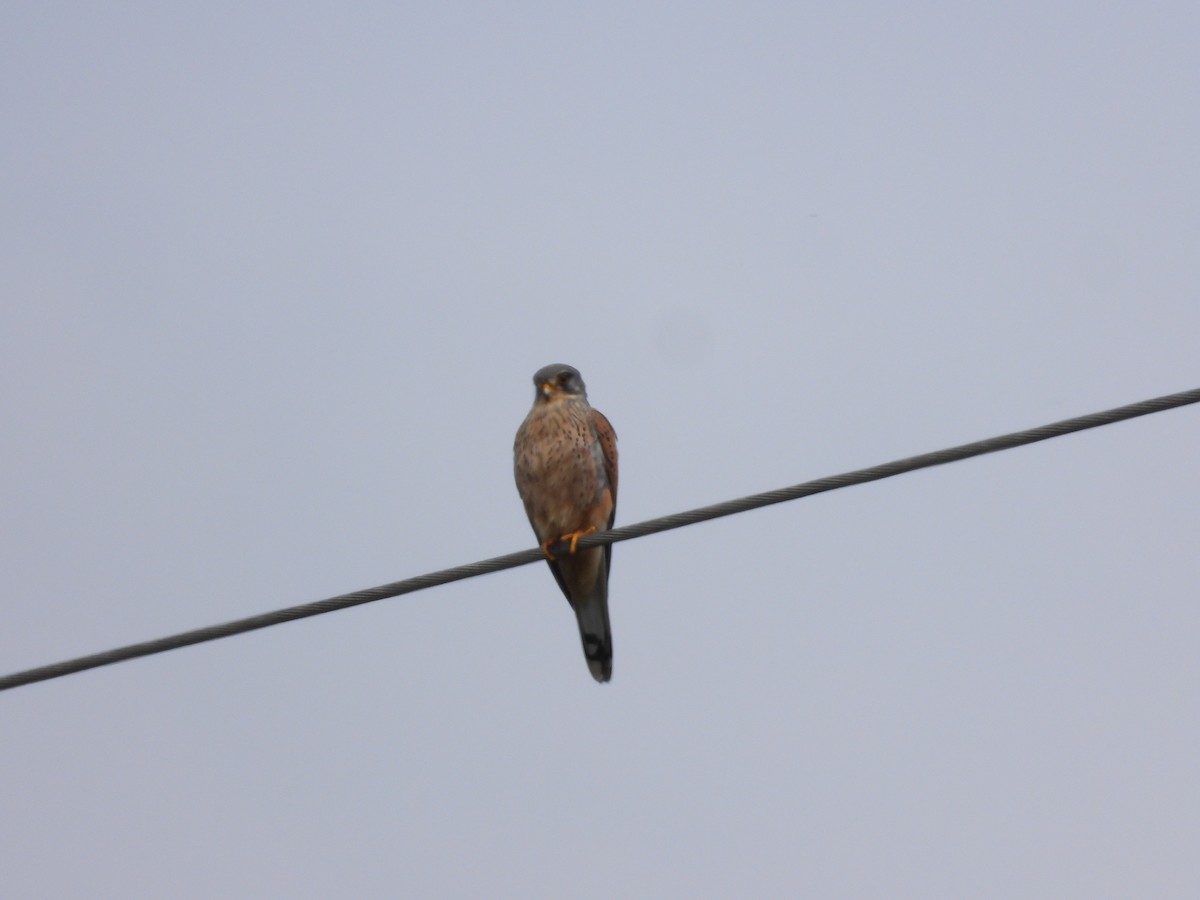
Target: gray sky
[274,281]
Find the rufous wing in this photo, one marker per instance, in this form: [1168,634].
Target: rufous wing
[608,446]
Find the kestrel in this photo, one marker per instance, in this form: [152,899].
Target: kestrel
[565,462]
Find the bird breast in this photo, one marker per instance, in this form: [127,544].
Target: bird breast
[559,466]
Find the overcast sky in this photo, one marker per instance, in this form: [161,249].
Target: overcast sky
[275,278]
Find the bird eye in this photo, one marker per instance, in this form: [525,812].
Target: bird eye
[564,378]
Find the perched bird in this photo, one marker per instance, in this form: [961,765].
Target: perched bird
[565,463]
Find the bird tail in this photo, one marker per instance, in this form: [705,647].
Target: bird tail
[594,630]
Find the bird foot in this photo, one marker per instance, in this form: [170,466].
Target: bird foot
[574,536]
[571,540]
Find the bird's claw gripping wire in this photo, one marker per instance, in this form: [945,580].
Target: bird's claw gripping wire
[571,540]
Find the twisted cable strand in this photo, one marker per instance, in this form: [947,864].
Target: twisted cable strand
[624,533]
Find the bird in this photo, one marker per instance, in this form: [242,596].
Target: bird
[565,465]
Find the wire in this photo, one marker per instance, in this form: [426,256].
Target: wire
[625,533]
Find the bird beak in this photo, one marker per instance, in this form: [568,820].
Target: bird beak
[547,389]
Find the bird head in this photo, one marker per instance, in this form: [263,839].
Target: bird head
[558,381]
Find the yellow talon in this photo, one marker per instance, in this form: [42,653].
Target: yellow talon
[574,536]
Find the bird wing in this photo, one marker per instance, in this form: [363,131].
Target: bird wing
[608,446]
